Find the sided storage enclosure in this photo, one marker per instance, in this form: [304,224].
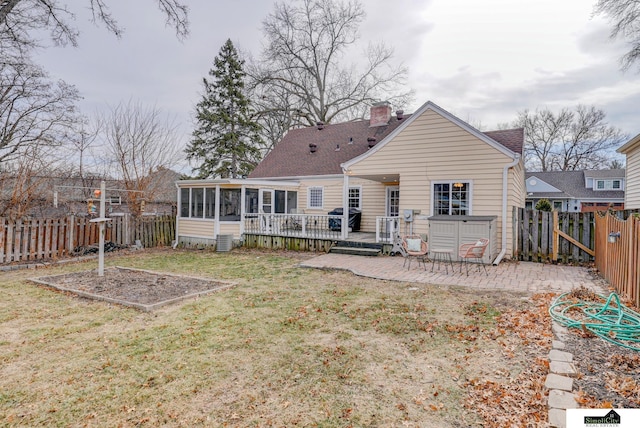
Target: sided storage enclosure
[448,232]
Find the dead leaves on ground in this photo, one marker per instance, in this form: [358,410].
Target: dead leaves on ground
[519,401]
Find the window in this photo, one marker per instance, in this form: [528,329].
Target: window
[281,202]
[230,204]
[292,201]
[251,201]
[184,202]
[210,202]
[114,200]
[528,205]
[285,201]
[608,185]
[355,198]
[557,205]
[315,197]
[197,202]
[451,198]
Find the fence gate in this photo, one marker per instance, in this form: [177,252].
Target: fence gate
[553,236]
[617,253]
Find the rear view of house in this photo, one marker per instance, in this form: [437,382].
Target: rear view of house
[428,173]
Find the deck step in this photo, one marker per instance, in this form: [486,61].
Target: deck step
[356,251]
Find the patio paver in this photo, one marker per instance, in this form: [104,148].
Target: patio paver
[517,276]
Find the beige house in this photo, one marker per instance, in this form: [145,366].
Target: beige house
[428,173]
[632,191]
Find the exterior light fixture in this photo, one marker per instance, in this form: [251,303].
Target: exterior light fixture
[613,237]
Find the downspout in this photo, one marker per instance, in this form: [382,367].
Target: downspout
[175,243]
[505,189]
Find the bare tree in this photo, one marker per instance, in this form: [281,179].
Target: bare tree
[25,182]
[568,140]
[140,141]
[81,142]
[624,15]
[306,74]
[18,18]
[34,112]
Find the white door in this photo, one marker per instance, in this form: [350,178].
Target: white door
[393,201]
[265,206]
[391,225]
[265,201]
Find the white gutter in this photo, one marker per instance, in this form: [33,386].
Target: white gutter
[505,188]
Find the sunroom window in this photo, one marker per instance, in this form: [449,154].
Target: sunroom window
[451,198]
[230,204]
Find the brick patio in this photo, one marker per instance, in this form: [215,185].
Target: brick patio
[517,276]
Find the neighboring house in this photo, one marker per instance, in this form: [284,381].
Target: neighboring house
[577,191]
[57,196]
[632,152]
[408,171]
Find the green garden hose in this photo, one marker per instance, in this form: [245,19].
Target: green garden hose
[612,321]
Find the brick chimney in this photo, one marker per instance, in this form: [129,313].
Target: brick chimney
[380,114]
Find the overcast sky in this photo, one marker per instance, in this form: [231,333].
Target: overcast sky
[481,60]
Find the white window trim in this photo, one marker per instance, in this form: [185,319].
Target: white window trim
[359,188]
[433,185]
[321,189]
[607,184]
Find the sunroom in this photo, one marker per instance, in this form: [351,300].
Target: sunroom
[234,208]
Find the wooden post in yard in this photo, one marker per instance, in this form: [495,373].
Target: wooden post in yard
[556,237]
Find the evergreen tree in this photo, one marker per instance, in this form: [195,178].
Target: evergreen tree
[226,139]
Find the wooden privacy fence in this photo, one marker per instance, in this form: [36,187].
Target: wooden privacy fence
[554,236]
[618,253]
[41,239]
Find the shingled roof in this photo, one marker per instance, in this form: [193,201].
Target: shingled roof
[572,184]
[339,143]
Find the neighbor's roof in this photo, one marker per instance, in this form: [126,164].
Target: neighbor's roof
[339,143]
[572,184]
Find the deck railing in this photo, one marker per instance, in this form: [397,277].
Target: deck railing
[386,228]
[295,225]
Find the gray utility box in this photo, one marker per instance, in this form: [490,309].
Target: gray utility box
[448,232]
[224,243]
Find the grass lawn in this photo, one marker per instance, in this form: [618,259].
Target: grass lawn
[286,347]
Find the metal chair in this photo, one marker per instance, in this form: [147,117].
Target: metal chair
[473,252]
[414,248]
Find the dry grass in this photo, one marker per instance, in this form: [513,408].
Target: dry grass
[286,347]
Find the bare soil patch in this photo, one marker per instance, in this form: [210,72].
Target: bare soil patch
[142,289]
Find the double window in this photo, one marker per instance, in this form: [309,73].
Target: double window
[608,185]
[451,198]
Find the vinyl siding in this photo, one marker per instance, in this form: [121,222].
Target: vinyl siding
[432,149]
[632,185]
[230,228]
[372,198]
[196,228]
